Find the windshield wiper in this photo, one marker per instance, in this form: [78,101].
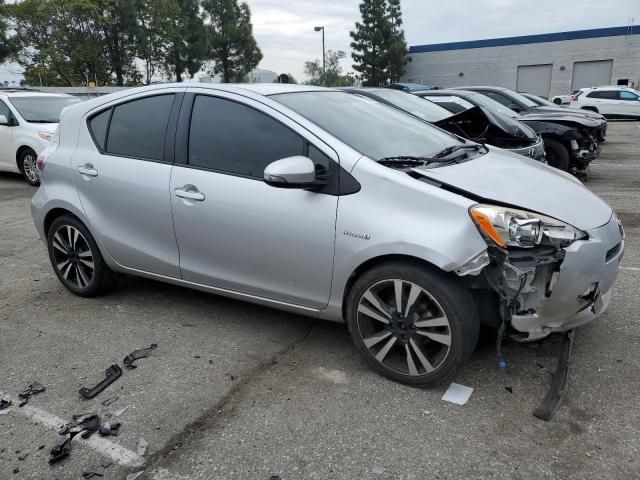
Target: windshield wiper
[455,148]
[409,161]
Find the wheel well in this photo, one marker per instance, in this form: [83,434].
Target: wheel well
[374,262]
[592,109]
[19,153]
[53,214]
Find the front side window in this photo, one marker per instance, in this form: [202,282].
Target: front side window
[4,110]
[370,127]
[628,96]
[138,128]
[42,109]
[233,138]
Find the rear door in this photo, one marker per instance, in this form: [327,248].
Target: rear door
[234,231]
[122,169]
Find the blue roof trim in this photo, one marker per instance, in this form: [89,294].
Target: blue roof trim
[541,38]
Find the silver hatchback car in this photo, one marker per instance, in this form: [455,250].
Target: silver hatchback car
[329,205]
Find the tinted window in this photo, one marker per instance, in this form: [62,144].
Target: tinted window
[606,94]
[98,126]
[231,137]
[451,106]
[628,96]
[370,127]
[498,98]
[321,161]
[414,105]
[138,128]
[4,110]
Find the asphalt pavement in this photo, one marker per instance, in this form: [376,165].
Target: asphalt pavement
[238,391]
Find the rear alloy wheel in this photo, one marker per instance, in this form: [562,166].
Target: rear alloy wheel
[28,167]
[413,325]
[76,259]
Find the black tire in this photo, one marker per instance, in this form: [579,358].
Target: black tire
[438,291]
[70,260]
[557,101]
[27,166]
[557,154]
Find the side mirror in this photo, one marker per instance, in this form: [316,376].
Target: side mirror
[291,172]
[5,121]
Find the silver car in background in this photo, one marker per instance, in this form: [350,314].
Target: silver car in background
[329,205]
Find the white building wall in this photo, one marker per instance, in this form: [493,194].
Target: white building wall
[499,65]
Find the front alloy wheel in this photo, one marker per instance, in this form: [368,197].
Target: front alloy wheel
[412,322]
[29,168]
[404,327]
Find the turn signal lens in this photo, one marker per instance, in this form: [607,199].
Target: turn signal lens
[484,222]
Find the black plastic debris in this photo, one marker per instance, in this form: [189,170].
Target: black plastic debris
[91,474]
[23,456]
[34,389]
[106,464]
[112,373]
[62,450]
[137,355]
[109,401]
[509,389]
[4,404]
[109,429]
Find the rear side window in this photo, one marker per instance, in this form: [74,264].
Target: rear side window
[137,129]
[98,126]
[498,98]
[605,94]
[233,138]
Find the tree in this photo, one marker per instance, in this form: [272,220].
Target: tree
[234,50]
[60,42]
[188,44]
[379,47]
[7,46]
[156,35]
[333,76]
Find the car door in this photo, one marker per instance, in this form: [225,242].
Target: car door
[629,104]
[7,152]
[234,231]
[122,169]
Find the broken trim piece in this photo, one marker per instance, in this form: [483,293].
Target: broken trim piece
[560,381]
[138,354]
[112,373]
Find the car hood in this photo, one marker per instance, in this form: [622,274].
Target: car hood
[549,109]
[505,178]
[563,117]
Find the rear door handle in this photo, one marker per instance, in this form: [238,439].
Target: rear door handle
[189,192]
[87,169]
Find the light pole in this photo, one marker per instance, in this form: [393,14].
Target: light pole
[324,71]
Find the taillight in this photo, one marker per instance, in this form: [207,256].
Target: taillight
[40,161]
[574,98]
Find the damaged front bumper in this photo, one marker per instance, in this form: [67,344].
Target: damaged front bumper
[547,290]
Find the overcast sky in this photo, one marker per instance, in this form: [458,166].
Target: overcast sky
[284,28]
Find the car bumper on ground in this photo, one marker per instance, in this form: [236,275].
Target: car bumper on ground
[582,290]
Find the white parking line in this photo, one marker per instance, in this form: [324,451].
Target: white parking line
[631,269]
[113,451]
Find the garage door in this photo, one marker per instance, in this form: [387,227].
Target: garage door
[588,74]
[535,79]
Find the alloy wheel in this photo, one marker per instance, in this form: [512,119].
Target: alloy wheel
[73,257]
[404,327]
[30,168]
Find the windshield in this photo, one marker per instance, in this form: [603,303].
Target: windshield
[372,128]
[417,106]
[522,99]
[543,101]
[42,109]
[484,101]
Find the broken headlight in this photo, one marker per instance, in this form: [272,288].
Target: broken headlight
[510,227]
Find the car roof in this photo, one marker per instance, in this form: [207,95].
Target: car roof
[481,87]
[447,92]
[13,93]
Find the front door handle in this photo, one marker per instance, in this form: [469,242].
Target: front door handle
[189,192]
[87,169]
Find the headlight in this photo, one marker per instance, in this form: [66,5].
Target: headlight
[45,135]
[510,227]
